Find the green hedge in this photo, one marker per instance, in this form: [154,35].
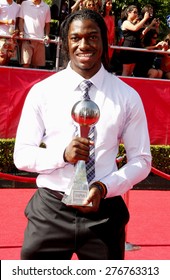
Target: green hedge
[160,156]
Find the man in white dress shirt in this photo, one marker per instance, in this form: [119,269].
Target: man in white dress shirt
[55,230]
[34,23]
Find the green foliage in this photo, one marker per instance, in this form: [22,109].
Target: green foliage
[49,2]
[160,156]
[6,156]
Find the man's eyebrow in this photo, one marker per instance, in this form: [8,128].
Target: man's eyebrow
[87,33]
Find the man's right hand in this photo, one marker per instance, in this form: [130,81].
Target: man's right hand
[78,149]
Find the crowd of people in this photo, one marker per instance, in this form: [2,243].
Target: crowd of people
[29,19]
[134,28]
[142,31]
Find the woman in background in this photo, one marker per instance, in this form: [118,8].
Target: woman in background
[132,30]
[148,66]
[152,22]
[109,19]
[165,62]
[90,4]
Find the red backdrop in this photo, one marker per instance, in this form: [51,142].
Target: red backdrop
[16,82]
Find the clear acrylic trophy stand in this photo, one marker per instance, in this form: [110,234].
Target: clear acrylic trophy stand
[78,189]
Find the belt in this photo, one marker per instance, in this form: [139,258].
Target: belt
[58,195]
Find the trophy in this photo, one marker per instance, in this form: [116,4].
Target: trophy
[86,113]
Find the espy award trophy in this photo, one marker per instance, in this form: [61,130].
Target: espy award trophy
[86,113]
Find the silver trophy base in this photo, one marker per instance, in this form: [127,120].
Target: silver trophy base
[76,197]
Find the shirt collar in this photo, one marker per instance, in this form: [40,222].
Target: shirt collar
[76,79]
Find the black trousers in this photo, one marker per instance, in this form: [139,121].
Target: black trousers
[56,231]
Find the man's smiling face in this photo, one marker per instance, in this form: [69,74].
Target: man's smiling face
[85,47]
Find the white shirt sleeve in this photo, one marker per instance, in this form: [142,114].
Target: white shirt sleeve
[137,145]
[28,155]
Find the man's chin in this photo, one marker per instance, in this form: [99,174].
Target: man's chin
[82,66]
[86,67]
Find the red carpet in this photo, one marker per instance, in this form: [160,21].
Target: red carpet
[149,226]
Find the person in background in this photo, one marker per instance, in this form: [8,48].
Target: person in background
[7,51]
[56,230]
[131,29]
[152,22]
[165,61]
[9,11]
[89,4]
[149,64]
[123,16]
[78,5]
[93,5]
[98,6]
[168,21]
[109,19]
[115,62]
[34,23]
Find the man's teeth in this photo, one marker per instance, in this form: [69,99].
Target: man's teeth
[85,55]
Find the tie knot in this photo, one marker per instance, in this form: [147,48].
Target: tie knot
[85,86]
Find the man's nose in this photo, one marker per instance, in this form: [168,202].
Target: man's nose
[83,43]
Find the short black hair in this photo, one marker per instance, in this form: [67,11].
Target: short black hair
[81,15]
